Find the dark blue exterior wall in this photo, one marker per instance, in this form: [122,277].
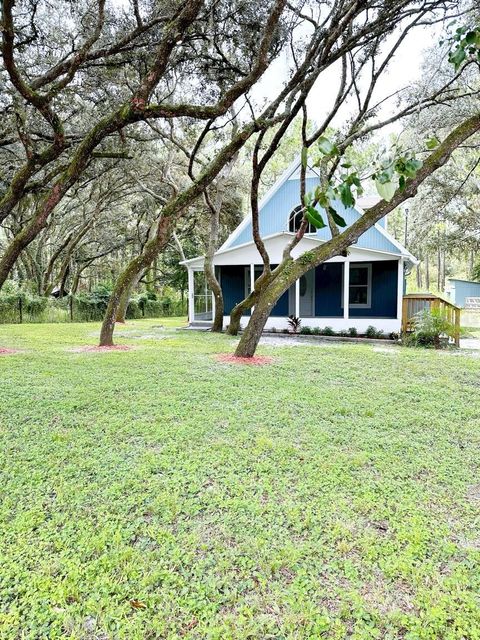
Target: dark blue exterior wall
[328,290]
[384,292]
[232,279]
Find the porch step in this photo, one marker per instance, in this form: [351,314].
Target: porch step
[199,325]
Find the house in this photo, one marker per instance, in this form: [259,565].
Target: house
[365,288]
[464,293]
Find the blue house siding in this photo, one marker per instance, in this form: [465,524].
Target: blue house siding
[328,290]
[275,213]
[384,292]
[232,279]
[462,289]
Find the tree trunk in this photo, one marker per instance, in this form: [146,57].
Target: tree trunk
[427,273]
[214,285]
[125,301]
[419,276]
[251,336]
[237,313]
[129,276]
[439,264]
[121,314]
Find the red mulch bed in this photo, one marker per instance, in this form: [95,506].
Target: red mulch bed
[97,349]
[7,352]
[229,358]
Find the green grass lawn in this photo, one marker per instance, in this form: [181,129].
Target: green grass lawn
[157,493]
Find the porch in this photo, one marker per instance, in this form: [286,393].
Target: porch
[341,293]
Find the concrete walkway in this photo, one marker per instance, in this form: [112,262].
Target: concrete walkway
[470,343]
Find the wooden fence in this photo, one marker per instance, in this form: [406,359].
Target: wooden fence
[414,303]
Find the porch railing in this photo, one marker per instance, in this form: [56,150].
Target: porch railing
[414,303]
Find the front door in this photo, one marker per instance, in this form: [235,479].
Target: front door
[307,290]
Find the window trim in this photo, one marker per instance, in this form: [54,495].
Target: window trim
[258,268]
[368,304]
[293,214]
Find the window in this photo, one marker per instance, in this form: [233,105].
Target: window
[360,292]
[295,220]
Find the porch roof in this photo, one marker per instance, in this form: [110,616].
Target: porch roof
[247,253]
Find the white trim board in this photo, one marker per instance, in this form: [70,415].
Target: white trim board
[387,325]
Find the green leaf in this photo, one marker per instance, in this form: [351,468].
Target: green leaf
[412,166]
[471,37]
[314,218]
[304,157]
[386,190]
[346,195]
[337,217]
[431,143]
[327,147]
[457,57]
[384,177]
[323,199]
[356,180]
[402,183]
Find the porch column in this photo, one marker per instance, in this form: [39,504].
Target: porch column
[400,289]
[190,296]
[346,288]
[297,298]
[252,280]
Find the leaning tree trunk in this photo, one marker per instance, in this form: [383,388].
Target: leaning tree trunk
[264,301]
[125,301]
[251,336]
[237,313]
[214,285]
[130,274]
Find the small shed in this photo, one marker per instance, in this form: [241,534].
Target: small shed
[460,290]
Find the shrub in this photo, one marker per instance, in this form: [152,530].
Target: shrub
[431,329]
[328,331]
[294,323]
[372,332]
[316,331]
[306,331]
[352,332]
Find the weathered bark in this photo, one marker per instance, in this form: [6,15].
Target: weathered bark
[121,315]
[123,303]
[208,267]
[214,285]
[129,276]
[419,276]
[250,338]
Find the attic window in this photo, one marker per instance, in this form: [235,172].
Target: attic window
[295,220]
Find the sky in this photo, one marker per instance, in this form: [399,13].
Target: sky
[403,69]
